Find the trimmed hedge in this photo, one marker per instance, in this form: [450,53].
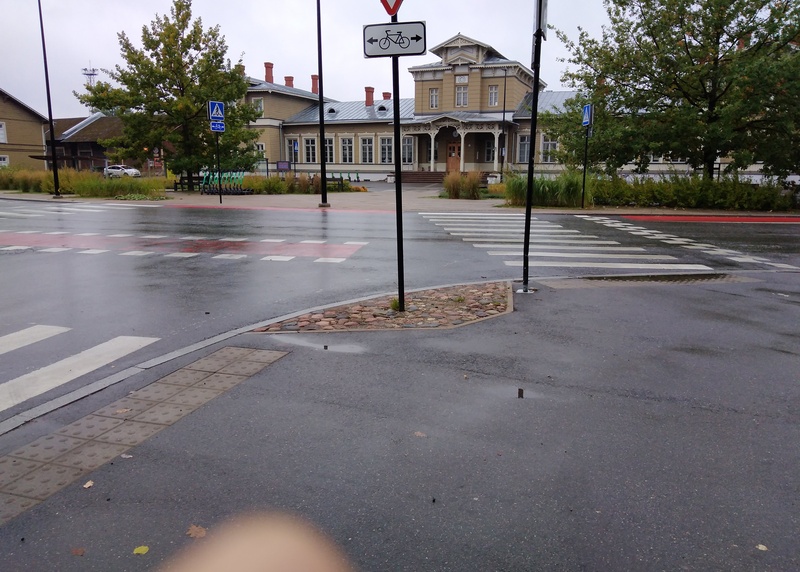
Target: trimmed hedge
[691,192]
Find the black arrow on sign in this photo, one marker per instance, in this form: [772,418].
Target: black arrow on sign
[371,41]
[417,38]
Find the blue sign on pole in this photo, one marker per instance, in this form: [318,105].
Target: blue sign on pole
[218,126]
[216,111]
[588,116]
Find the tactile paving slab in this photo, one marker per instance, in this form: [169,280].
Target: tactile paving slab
[43,481]
[47,448]
[41,468]
[11,469]
[165,413]
[12,505]
[90,455]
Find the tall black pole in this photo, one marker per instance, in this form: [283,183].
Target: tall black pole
[502,149]
[219,171]
[323,184]
[398,186]
[585,162]
[57,193]
[537,56]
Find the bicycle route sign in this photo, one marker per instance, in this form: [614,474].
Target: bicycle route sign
[394,39]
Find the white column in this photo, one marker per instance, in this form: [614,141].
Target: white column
[463,149]
[496,149]
[433,142]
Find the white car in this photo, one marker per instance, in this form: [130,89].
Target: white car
[121,171]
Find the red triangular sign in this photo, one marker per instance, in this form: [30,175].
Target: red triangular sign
[392,6]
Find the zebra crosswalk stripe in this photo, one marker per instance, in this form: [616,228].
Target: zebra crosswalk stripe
[49,377]
[28,336]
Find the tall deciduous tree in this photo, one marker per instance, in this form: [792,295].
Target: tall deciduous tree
[164,90]
[696,80]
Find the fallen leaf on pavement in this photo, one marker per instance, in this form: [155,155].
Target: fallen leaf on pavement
[419,434]
[118,411]
[126,456]
[762,547]
[196,531]
[88,485]
[78,551]
[141,550]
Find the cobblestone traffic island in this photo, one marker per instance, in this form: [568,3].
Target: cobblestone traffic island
[447,307]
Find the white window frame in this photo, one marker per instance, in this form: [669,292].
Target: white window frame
[433,98]
[387,147]
[367,150]
[494,95]
[549,148]
[524,148]
[329,158]
[5,161]
[489,151]
[261,148]
[292,152]
[258,103]
[346,144]
[3,133]
[310,150]
[407,151]
[462,96]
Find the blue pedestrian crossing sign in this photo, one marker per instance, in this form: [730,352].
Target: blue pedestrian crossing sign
[588,116]
[216,111]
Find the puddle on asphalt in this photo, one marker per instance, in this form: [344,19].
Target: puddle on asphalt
[307,343]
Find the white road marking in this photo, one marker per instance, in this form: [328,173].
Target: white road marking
[28,232]
[17,215]
[564,247]
[614,265]
[511,230]
[119,235]
[154,236]
[37,382]
[334,260]
[92,251]
[589,255]
[537,239]
[278,258]
[135,253]
[354,243]
[313,241]
[182,254]
[274,240]
[54,249]
[28,336]
[230,256]
[16,247]
[233,240]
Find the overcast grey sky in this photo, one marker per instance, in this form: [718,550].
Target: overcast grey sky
[83,34]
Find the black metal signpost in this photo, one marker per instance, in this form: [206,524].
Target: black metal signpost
[540,26]
[323,174]
[588,120]
[216,116]
[394,40]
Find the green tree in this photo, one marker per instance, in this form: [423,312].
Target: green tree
[163,95]
[695,80]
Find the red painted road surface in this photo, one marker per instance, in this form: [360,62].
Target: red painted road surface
[169,245]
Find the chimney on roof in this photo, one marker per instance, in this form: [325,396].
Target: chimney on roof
[387,95]
[268,72]
[314,83]
[289,79]
[370,92]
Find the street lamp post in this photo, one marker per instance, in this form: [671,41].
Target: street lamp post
[57,192]
[502,149]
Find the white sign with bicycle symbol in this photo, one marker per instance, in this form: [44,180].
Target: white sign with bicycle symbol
[394,39]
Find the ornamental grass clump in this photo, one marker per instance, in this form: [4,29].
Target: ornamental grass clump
[452,185]
[471,186]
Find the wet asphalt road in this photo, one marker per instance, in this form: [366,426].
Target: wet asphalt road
[658,429]
[182,301]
